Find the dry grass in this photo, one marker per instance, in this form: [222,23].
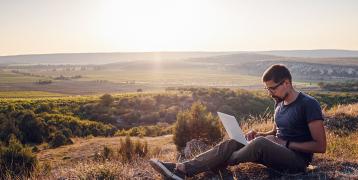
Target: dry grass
[350,110]
[114,168]
[85,148]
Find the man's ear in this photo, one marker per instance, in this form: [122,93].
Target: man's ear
[288,83]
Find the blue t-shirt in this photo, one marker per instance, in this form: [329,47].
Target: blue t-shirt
[292,119]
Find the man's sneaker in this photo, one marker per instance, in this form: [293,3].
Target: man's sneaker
[168,170]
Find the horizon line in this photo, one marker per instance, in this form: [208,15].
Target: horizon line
[189,51]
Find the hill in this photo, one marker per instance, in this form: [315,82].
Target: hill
[99,58]
[317,53]
[75,136]
[302,68]
[339,162]
[111,57]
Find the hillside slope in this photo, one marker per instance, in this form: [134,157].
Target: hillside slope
[339,162]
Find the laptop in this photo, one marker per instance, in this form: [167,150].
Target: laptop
[232,128]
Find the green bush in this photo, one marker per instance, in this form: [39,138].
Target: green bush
[106,100]
[59,139]
[79,127]
[7,128]
[196,123]
[33,128]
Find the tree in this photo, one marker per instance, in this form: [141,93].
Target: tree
[181,130]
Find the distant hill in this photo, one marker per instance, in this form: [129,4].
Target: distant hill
[318,53]
[302,68]
[234,56]
[101,58]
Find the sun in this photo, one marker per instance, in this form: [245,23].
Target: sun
[157,25]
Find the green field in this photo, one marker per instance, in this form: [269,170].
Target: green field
[28,94]
[131,77]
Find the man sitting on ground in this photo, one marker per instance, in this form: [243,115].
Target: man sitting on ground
[298,132]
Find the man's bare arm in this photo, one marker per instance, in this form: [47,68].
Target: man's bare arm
[318,143]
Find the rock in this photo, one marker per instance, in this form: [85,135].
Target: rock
[194,147]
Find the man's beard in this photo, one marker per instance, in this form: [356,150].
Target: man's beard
[279,99]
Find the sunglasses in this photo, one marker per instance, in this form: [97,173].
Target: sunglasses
[273,88]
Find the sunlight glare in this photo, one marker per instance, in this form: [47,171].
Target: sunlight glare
[157,25]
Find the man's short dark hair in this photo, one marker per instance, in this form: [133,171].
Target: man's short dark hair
[277,73]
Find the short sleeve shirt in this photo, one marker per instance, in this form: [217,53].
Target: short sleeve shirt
[292,119]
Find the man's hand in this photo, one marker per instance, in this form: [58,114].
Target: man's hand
[252,135]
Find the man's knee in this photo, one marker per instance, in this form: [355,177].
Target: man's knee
[231,143]
[251,153]
[259,142]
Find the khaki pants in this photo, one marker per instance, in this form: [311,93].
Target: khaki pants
[259,150]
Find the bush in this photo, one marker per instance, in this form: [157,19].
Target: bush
[59,139]
[106,100]
[126,148]
[196,123]
[79,127]
[16,160]
[32,128]
[8,127]
[43,108]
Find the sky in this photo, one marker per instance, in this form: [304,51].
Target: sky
[76,26]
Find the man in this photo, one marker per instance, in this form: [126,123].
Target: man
[298,132]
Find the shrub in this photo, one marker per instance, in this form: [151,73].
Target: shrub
[59,139]
[8,127]
[79,127]
[126,148]
[32,128]
[16,160]
[43,108]
[106,100]
[129,149]
[148,104]
[196,123]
